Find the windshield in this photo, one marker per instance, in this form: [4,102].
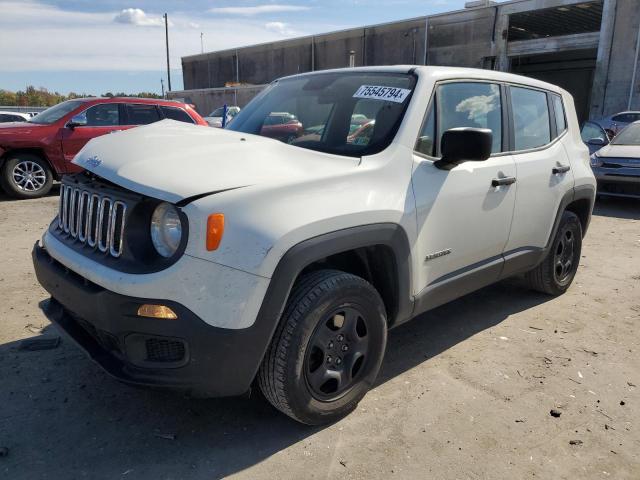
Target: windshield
[322,111]
[628,136]
[55,113]
[217,112]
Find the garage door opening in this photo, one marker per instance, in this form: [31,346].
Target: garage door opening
[572,70]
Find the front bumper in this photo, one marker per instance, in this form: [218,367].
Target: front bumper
[618,182]
[185,354]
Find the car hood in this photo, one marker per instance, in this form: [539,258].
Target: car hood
[620,151]
[173,161]
[11,128]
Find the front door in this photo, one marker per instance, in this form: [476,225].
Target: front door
[463,218]
[97,120]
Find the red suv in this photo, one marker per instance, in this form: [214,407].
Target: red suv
[34,153]
[282,126]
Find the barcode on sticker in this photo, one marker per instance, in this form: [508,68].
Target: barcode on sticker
[390,94]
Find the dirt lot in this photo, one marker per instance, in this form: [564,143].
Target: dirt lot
[465,391]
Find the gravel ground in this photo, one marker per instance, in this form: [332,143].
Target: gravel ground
[465,391]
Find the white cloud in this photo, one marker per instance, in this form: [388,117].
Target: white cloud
[136,16]
[35,36]
[258,9]
[280,28]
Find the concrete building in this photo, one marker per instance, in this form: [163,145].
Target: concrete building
[589,47]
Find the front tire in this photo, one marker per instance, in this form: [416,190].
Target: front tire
[26,176]
[328,348]
[555,273]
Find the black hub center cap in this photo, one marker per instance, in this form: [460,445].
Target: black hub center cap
[564,256]
[336,353]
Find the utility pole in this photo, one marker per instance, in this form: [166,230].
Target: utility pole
[201,43]
[166,33]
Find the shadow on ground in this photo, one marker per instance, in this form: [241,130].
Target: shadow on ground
[627,208]
[54,192]
[62,417]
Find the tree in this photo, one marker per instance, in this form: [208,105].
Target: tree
[41,97]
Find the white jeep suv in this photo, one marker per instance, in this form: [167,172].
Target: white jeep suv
[211,260]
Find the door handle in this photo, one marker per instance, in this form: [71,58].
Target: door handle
[114,131]
[560,169]
[497,182]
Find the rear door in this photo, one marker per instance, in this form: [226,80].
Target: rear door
[99,119]
[543,168]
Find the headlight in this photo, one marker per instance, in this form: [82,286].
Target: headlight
[595,160]
[166,229]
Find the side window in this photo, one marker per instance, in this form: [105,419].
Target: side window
[561,120]
[591,131]
[470,104]
[175,113]
[426,141]
[102,115]
[530,118]
[139,114]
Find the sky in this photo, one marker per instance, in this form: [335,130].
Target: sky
[99,46]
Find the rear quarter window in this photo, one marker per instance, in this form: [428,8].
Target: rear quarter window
[175,113]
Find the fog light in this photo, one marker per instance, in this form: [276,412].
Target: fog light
[156,311]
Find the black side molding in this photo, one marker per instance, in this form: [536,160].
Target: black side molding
[309,251]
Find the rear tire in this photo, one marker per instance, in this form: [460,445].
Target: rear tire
[556,272]
[26,176]
[327,349]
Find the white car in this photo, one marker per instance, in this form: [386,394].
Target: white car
[214,119]
[8,116]
[207,260]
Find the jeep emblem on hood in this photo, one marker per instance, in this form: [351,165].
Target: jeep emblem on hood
[93,161]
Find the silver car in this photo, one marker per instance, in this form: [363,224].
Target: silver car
[617,165]
[613,124]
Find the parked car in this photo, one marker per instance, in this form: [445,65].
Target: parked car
[594,136]
[248,261]
[362,135]
[35,152]
[214,119]
[614,123]
[7,116]
[282,126]
[617,165]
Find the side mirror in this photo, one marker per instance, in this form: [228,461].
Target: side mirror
[464,144]
[77,121]
[597,141]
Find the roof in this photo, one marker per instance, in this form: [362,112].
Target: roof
[154,101]
[445,73]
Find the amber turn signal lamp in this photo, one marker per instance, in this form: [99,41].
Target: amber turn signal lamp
[215,230]
[156,311]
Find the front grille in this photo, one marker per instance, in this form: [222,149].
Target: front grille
[92,219]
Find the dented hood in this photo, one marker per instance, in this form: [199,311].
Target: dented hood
[173,161]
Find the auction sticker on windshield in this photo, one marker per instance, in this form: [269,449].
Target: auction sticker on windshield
[390,94]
